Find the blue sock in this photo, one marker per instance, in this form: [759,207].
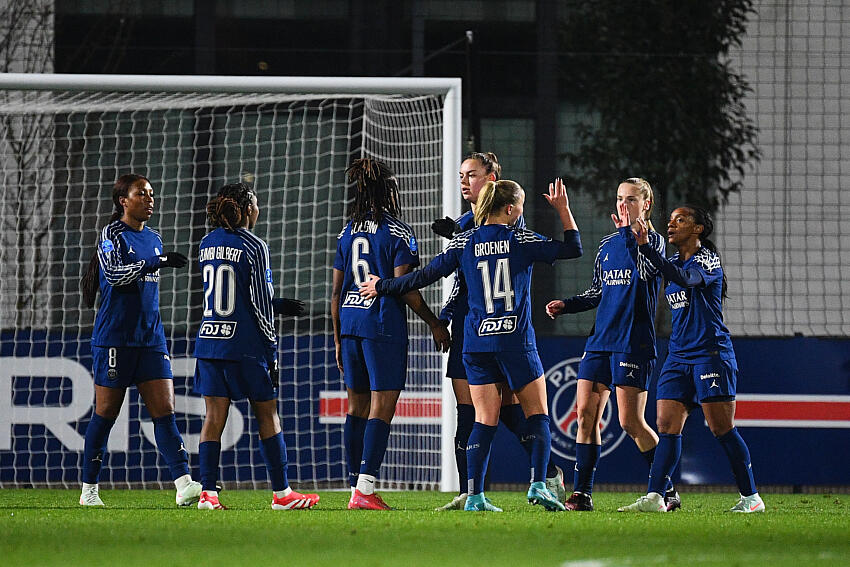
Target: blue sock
[355,428]
[97,434]
[374,446]
[170,445]
[273,450]
[540,439]
[739,457]
[514,419]
[478,455]
[667,454]
[587,455]
[209,453]
[465,419]
[649,456]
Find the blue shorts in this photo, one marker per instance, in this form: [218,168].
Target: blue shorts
[234,379]
[616,369]
[515,368]
[454,366]
[373,365]
[121,367]
[694,384]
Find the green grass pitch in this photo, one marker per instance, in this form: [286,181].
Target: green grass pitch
[143,527]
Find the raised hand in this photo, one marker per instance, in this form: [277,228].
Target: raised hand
[624,219]
[557,196]
[367,288]
[446,227]
[641,231]
[555,308]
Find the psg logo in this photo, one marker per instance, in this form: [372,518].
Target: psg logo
[561,384]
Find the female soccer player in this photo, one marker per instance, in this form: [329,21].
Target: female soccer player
[236,349]
[371,335]
[620,351]
[700,368]
[499,346]
[128,342]
[476,170]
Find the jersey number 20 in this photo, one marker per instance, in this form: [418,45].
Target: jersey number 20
[499,287]
[215,281]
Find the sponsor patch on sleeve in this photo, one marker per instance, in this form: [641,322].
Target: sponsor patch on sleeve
[107,246]
[414,247]
[269,275]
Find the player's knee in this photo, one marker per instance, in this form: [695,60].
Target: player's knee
[633,425]
[586,417]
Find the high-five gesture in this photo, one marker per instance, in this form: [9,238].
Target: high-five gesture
[624,218]
[557,197]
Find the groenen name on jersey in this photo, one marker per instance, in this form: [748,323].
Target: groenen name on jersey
[617,277]
[495,247]
[220,253]
[677,299]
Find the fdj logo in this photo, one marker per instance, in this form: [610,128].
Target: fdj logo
[354,299]
[497,326]
[562,382]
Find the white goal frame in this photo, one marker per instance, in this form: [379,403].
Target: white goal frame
[449,88]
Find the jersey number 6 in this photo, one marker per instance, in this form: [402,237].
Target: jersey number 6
[359,266]
[214,282]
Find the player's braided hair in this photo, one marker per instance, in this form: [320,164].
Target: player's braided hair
[90,282]
[703,217]
[646,193]
[230,207]
[489,161]
[376,190]
[494,196]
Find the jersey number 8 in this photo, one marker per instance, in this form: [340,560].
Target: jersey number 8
[214,283]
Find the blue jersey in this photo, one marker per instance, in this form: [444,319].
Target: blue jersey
[372,248]
[694,292]
[624,291]
[238,316]
[496,262]
[128,315]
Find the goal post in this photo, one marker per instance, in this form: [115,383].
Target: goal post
[64,139]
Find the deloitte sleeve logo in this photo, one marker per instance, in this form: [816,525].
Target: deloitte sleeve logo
[561,381]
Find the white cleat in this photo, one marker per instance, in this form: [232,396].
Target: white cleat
[190,494]
[556,485]
[652,502]
[457,503]
[749,504]
[89,496]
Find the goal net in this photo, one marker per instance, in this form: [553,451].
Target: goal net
[63,142]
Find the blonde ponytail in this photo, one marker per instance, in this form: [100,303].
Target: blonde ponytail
[495,195]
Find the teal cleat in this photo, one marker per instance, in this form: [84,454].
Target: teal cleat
[479,503]
[539,494]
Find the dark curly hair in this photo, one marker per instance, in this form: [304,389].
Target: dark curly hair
[376,190]
[703,217]
[230,207]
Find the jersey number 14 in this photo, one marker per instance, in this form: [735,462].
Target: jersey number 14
[499,287]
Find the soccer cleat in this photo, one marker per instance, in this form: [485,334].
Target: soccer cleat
[190,494]
[672,500]
[89,496]
[479,503]
[556,485]
[457,503]
[209,502]
[539,494]
[749,504]
[652,502]
[579,502]
[295,501]
[360,501]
